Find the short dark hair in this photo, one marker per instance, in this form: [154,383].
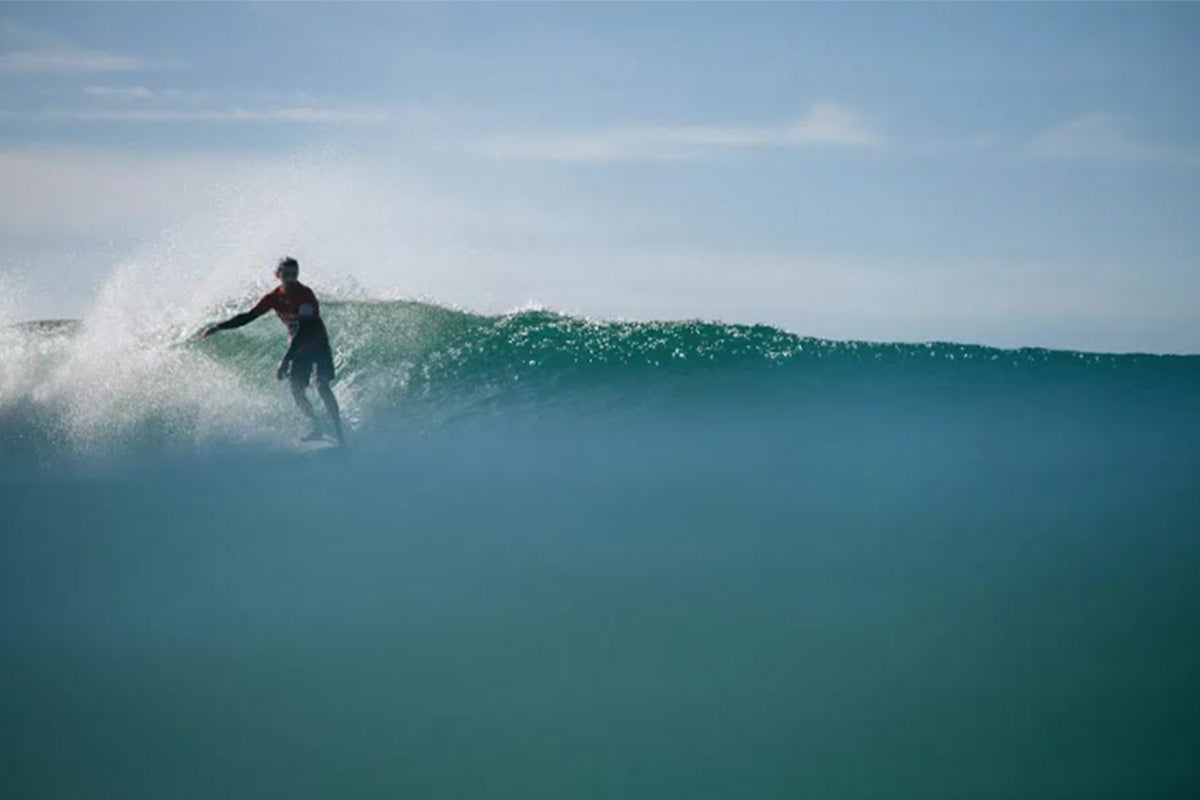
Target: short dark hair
[287,262]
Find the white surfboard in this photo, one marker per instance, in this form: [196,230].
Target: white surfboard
[316,445]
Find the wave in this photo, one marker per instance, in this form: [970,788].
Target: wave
[86,386]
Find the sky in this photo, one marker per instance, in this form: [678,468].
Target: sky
[1007,174]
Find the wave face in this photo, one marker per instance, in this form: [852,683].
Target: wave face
[70,386]
[569,558]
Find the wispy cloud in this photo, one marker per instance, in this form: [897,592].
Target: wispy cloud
[66,59]
[142,104]
[826,125]
[24,50]
[1107,138]
[137,103]
[166,95]
[121,92]
[312,115]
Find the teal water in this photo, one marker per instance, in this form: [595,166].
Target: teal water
[596,560]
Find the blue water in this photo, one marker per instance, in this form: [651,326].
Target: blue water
[565,558]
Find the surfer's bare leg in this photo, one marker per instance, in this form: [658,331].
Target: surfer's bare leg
[331,405]
[301,398]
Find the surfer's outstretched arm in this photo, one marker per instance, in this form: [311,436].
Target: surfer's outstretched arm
[238,320]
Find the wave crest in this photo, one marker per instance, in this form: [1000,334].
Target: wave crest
[78,384]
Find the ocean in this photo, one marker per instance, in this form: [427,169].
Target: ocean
[567,558]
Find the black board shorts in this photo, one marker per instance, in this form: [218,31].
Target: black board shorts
[319,358]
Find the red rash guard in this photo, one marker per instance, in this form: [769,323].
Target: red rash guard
[291,307]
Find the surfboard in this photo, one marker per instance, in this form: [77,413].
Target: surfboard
[316,445]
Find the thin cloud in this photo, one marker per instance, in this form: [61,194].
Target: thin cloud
[1107,138]
[27,51]
[312,115]
[68,60]
[141,104]
[170,97]
[121,92]
[826,125]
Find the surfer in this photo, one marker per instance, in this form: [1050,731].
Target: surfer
[308,342]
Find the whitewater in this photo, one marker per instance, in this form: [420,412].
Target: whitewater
[568,557]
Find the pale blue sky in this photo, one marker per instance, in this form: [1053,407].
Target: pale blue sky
[1004,173]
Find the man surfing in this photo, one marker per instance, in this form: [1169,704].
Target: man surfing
[308,343]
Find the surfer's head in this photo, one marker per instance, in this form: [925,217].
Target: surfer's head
[288,270]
